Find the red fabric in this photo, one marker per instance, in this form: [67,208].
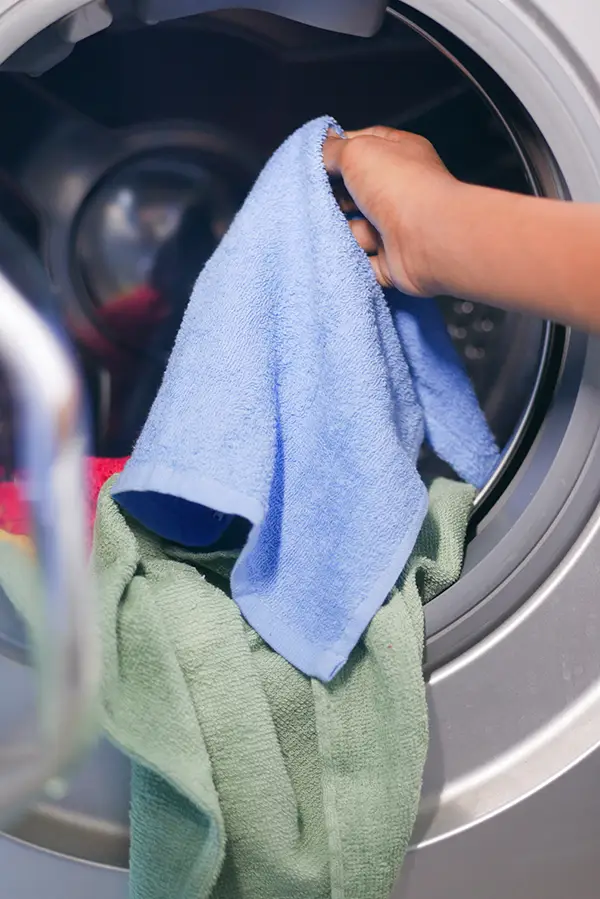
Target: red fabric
[126,323]
[13,511]
[99,471]
[14,516]
[129,319]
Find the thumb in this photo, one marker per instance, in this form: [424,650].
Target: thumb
[381,131]
[333,148]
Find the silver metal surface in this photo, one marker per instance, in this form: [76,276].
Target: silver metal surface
[47,394]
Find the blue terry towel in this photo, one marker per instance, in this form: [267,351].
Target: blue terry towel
[296,399]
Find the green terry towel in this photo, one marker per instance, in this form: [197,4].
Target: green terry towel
[251,781]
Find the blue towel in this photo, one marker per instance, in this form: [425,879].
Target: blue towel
[293,398]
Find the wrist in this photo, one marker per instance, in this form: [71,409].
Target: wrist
[467,232]
[437,239]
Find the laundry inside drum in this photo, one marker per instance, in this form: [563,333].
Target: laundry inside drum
[122,168]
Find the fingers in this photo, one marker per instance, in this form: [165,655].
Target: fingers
[333,148]
[381,131]
[344,200]
[381,270]
[335,144]
[365,235]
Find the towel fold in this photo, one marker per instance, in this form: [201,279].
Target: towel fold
[250,781]
[295,399]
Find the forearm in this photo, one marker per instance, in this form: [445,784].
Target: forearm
[542,256]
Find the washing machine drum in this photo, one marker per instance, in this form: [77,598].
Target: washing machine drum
[126,152]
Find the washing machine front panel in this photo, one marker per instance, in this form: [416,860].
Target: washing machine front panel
[510,801]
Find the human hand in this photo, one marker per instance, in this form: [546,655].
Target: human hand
[397,181]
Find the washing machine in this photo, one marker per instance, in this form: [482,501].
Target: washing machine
[132,130]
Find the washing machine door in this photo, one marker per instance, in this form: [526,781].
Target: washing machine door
[127,169]
[43,444]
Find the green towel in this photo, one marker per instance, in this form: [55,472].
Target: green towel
[249,779]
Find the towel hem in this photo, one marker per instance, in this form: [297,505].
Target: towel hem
[188,486]
[308,656]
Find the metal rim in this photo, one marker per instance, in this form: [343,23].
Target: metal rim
[526,417]
[495,580]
